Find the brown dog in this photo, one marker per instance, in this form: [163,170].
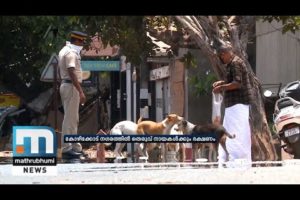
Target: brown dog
[158,128]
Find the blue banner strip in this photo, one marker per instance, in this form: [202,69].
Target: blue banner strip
[205,138]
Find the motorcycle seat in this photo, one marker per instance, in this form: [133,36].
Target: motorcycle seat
[284,104]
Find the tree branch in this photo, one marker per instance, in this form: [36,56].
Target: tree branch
[207,48]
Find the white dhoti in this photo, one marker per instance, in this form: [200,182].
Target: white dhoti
[236,121]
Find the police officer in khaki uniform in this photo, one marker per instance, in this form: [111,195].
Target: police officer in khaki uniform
[70,90]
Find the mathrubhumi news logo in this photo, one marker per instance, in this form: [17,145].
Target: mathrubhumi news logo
[34,161]
[34,150]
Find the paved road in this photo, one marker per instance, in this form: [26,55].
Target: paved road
[168,174]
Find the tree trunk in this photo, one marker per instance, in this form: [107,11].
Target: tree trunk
[209,33]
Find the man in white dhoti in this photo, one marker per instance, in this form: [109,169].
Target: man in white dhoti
[237,98]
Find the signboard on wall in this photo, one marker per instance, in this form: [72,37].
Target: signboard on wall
[98,65]
[159,73]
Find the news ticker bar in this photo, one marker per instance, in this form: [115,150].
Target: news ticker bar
[203,138]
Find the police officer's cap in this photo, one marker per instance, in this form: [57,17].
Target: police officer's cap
[78,35]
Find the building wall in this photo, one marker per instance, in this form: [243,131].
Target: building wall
[277,54]
[199,107]
[277,58]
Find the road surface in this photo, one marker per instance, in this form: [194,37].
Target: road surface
[138,173]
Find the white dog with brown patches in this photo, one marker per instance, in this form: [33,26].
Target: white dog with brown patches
[128,128]
[124,128]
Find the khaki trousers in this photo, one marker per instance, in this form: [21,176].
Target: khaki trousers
[70,100]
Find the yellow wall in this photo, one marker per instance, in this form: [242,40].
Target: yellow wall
[9,100]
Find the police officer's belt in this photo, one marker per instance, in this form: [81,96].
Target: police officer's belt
[66,81]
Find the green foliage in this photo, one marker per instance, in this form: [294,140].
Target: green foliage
[28,41]
[23,45]
[129,32]
[189,60]
[290,23]
[271,128]
[202,84]
[104,75]
[159,23]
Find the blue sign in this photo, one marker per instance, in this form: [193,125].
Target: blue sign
[97,65]
[202,138]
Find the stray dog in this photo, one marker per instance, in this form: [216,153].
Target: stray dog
[158,128]
[221,133]
[128,128]
[124,127]
[186,128]
[179,148]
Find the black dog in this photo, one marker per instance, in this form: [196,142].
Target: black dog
[220,133]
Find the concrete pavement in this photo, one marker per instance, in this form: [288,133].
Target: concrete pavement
[138,173]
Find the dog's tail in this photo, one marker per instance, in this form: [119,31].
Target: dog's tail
[231,136]
[145,109]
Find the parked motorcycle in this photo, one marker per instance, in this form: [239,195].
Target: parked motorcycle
[9,116]
[286,118]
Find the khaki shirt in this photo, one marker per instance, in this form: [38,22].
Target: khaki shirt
[67,59]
